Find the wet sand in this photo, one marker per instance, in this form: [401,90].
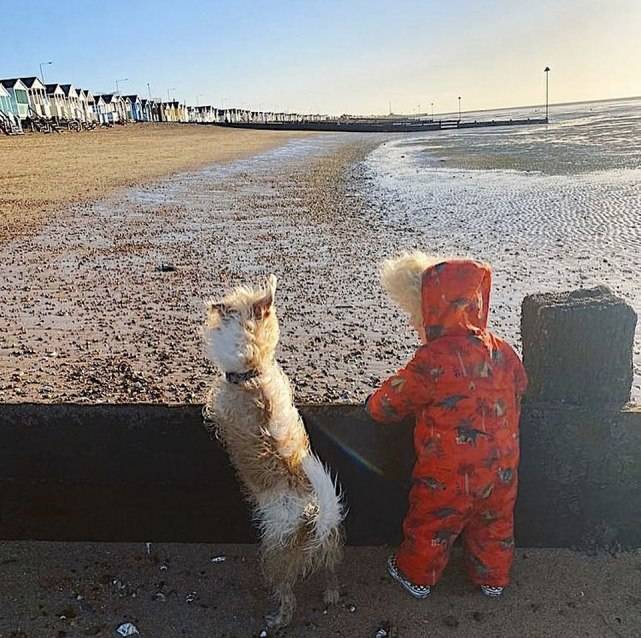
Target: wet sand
[55,590]
[41,173]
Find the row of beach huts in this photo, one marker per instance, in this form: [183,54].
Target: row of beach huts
[29,104]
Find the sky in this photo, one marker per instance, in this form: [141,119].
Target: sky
[332,56]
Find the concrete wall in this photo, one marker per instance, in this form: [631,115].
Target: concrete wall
[151,472]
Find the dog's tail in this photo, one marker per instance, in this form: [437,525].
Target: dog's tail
[328,517]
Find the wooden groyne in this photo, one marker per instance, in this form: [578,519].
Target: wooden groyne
[151,473]
[373,125]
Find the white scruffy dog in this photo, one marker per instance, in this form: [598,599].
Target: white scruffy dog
[295,501]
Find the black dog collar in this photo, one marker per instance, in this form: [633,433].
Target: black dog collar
[241,377]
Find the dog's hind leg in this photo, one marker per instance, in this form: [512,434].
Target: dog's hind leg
[281,572]
[286,601]
[331,593]
[333,556]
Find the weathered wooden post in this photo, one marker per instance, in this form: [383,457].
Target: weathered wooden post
[580,469]
[577,347]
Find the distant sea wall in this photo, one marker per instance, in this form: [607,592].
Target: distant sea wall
[152,473]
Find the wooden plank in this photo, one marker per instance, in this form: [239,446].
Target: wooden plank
[152,473]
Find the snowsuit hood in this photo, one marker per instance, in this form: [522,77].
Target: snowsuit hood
[455,298]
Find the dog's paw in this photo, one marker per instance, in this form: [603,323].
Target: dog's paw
[278,618]
[331,596]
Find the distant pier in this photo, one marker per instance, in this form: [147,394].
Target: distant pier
[381,125]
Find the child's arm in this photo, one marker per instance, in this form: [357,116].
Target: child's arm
[404,393]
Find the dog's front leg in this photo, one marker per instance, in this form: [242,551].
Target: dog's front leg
[331,593]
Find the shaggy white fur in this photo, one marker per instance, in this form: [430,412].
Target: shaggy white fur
[297,507]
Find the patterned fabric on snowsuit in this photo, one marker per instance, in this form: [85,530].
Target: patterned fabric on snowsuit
[464,388]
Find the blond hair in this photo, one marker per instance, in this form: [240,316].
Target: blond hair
[401,277]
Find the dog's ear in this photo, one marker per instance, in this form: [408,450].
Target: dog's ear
[263,306]
[271,284]
[216,309]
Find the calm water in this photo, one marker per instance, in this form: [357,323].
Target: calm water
[581,138]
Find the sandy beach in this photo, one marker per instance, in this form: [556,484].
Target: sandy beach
[46,172]
[53,590]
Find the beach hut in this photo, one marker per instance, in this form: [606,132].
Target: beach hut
[181,112]
[124,107]
[86,103]
[145,110]
[155,110]
[203,114]
[57,101]
[134,107]
[99,109]
[126,103]
[174,112]
[119,107]
[165,112]
[72,103]
[111,107]
[6,104]
[82,105]
[90,101]
[9,120]
[211,114]
[37,95]
[19,95]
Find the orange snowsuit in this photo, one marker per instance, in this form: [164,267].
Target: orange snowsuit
[464,388]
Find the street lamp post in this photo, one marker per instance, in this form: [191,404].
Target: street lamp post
[118,82]
[459,108]
[149,90]
[432,110]
[42,73]
[546,70]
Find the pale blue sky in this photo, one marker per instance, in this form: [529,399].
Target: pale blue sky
[332,56]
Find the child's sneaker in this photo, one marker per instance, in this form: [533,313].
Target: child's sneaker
[492,592]
[417,591]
